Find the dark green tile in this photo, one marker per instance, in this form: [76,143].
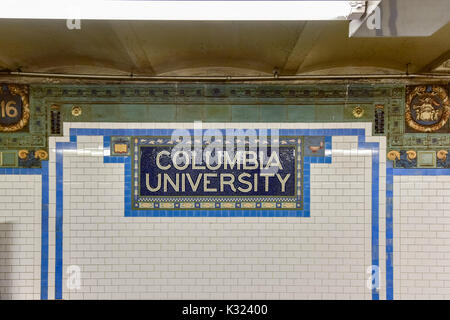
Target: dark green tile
[189,113]
[329,113]
[245,113]
[162,113]
[103,113]
[8,159]
[133,113]
[217,113]
[426,159]
[273,113]
[301,113]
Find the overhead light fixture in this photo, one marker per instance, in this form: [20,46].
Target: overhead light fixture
[182,10]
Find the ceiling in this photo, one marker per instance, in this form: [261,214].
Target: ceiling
[158,48]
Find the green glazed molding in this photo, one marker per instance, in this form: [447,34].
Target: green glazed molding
[220,102]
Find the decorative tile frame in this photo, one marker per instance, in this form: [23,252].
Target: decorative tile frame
[61,147]
[402,138]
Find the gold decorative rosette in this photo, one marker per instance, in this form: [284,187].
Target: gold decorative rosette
[427,108]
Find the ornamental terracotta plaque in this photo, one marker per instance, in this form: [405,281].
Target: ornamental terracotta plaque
[427,108]
[14,107]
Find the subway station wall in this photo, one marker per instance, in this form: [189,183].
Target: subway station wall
[357,209]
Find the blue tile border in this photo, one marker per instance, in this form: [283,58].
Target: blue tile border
[106,133]
[420,172]
[390,173]
[60,148]
[389,231]
[43,172]
[374,148]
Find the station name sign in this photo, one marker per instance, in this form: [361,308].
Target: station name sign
[240,173]
[213,175]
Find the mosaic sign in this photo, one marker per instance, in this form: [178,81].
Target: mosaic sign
[166,176]
[14,107]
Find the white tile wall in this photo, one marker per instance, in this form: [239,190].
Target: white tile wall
[20,236]
[421,237]
[324,256]
[321,257]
